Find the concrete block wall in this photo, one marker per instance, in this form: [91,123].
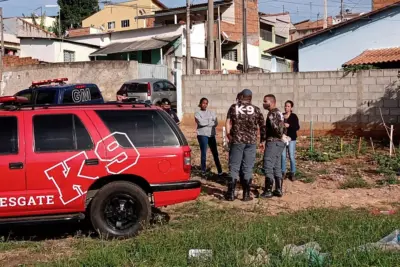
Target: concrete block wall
[334,101]
[108,75]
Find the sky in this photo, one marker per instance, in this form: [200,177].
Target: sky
[299,9]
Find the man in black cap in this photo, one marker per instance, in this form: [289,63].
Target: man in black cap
[242,124]
[275,131]
[166,106]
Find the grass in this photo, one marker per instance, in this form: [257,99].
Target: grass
[355,181]
[230,234]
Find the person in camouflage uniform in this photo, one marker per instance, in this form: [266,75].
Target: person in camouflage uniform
[242,124]
[275,129]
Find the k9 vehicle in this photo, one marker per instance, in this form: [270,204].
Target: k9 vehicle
[107,162]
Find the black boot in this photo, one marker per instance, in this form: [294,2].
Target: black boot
[268,189]
[246,190]
[278,187]
[292,177]
[230,194]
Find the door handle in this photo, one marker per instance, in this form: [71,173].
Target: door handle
[16,165]
[92,162]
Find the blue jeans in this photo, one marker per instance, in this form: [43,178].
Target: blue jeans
[292,156]
[205,141]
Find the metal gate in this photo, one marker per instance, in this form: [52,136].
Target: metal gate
[153,71]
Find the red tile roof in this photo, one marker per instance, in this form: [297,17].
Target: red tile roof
[308,25]
[373,56]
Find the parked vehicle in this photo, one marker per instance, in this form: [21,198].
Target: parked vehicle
[148,89]
[56,91]
[108,162]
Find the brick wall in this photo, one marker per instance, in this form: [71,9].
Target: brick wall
[12,61]
[108,75]
[79,32]
[235,31]
[333,101]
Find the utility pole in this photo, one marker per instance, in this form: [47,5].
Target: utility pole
[310,10]
[244,11]
[325,14]
[210,35]
[341,11]
[188,53]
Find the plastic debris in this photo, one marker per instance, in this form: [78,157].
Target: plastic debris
[260,259]
[200,255]
[390,242]
[310,250]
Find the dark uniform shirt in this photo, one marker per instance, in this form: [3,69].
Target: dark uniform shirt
[246,119]
[275,126]
[173,115]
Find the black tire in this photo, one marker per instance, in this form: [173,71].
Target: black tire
[136,214]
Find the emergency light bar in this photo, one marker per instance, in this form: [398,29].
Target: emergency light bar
[43,82]
[13,99]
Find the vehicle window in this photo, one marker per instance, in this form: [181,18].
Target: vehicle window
[158,86]
[28,95]
[169,86]
[45,96]
[81,94]
[136,88]
[8,135]
[145,128]
[61,132]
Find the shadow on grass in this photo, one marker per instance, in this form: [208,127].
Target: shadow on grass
[62,230]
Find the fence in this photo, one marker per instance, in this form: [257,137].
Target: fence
[152,71]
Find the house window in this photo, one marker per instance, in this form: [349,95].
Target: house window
[125,23]
[111,25]
[69,56]
[280,39]
[230,55]
[266,32]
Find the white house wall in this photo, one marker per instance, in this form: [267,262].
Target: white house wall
[95,39]
[81,52]
[197,42]
[42,49]
[324,53]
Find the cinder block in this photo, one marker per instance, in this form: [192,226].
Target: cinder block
[324,89]
[345,111]
[350,89]
[258,82]
[390,103]
[311,75]
[303,110]
[323,118]
[383,80]
[336,103]
[350,103]
[376,73]
[315,96]
[205,90]
[376,88]
[329,111]
[317,81]
[290,82]
[391,73]
[339,117]
[269,82]
[288,75]
[323,74]
[330,81]
[323,103]
[395,111]
[354,80]
[245,83]
[304,81]
[200,84]
[310,103]
[369,80]
[276,76]
[300,89]
[282,82]
[337,89]
[343,81]
[227,90]
[311,88]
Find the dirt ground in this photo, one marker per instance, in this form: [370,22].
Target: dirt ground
[320,187]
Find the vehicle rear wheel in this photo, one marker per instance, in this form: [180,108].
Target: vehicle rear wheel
[120,209]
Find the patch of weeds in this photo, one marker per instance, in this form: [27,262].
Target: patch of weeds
[388,166]
[323,171]
[355,181]
[305,178]
[389,180]
[318,156]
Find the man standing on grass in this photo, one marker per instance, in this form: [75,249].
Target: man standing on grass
[242,124]
[275,130]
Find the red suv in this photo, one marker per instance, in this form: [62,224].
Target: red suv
[109,162]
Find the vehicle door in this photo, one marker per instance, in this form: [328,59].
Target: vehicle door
[12,163]
[170,90]
[61,162]
[46,96]
[158,92]
[82,93]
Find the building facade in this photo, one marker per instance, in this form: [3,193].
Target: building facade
[121,16]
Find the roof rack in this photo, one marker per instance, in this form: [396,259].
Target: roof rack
[11,107]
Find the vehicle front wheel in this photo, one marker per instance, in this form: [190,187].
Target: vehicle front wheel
[120,210]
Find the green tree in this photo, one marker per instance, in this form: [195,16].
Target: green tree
[74,11]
